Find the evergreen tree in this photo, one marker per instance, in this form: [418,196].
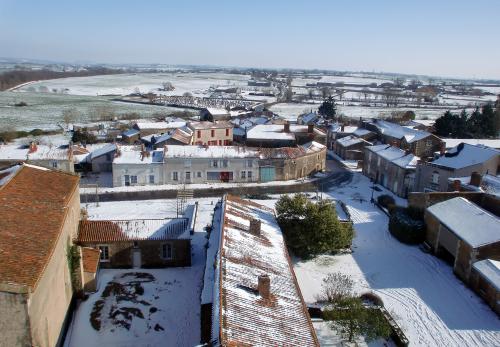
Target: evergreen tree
[311,228]
[328,108]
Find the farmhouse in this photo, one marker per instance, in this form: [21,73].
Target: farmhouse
[463,232]
[255,298]
[219,133]
[39,213]
[460,161]
[133,165]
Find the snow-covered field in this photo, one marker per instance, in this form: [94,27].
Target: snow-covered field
[174,293]
[433,307]
[45,110]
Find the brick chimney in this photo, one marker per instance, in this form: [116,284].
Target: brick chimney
[475,179]
[310,128]
[264,287]
[286,127]
[33,147]
[456,185]
[254,226]
[442,148]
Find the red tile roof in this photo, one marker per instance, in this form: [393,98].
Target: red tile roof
[244,317]
[90,259]
[33,206]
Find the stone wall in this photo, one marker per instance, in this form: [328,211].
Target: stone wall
[14,321]
[485,289]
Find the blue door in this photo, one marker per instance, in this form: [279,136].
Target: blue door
[267,173]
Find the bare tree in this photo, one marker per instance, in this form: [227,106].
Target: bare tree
[336,286]
[70,115]
[168,86]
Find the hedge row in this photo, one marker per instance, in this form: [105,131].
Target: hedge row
[405,228]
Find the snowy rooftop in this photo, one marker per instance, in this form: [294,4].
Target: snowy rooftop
[13,152]
[450,143]
[277,131]
[395,155]
[42,152]
[490,269]
[127,230]
[134,155]
[210,125]
[408,161]
[6,174]
[308,117]
[245,317]
[468,221]
[400,132]
[102,151]
[361,132]
[130,132]
[160,125]
[349,141]
[217,111]
[465,155]
[174,151]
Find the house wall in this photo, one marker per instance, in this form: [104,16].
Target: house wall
[432,230]
[343,152]
[120,253]
[142,171]
[49,303]
[289,169]
[425,171]
[89,282]
[485,289]
[204,136]
[14,320]
[104,163]
[205,165]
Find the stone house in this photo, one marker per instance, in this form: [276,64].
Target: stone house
[463,232]
[138,243]
[350,147]
[460,161]
[219,133]
[133,165]
[51,157]
[131,136]
[391,167]
[39,214]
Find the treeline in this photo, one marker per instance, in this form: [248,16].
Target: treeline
[13,78]
[481,123]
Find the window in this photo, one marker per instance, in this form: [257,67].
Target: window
[187,163]
[215,163]
[175,176]
[227,142]
[227,132]
[152,179]
[243,175]
[199,133]
[133,179]
[188,175]
[220,142]
[225,163]
[435,177]
[104,253]
[249,174]
[249,163]
[198,174]
[212,133]
[127,180]
[54,164]
[166,251]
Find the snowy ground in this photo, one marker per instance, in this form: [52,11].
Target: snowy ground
[432,306]
[174,293]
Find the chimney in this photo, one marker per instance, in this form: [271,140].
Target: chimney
[254,226]
[456,185]
[264,287]
[33,147]
[342,127]
[475,179]
[310,128]
[286,127]
[442,148]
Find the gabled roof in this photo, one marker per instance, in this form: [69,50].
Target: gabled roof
[241,317]
[350,140]
[102,151]
[134,155]
[469,222]
[33,207]
[159,125]
[400,132]
[217,111]
[96,231]
[465,155]
[131,132]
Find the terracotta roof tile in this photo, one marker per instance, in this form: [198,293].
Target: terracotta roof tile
[33,206]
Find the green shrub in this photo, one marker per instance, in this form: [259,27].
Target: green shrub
[405,228]
[386,200]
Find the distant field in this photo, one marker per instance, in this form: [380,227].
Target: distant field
[44,110]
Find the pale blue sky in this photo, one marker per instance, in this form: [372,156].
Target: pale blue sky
[440,37]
